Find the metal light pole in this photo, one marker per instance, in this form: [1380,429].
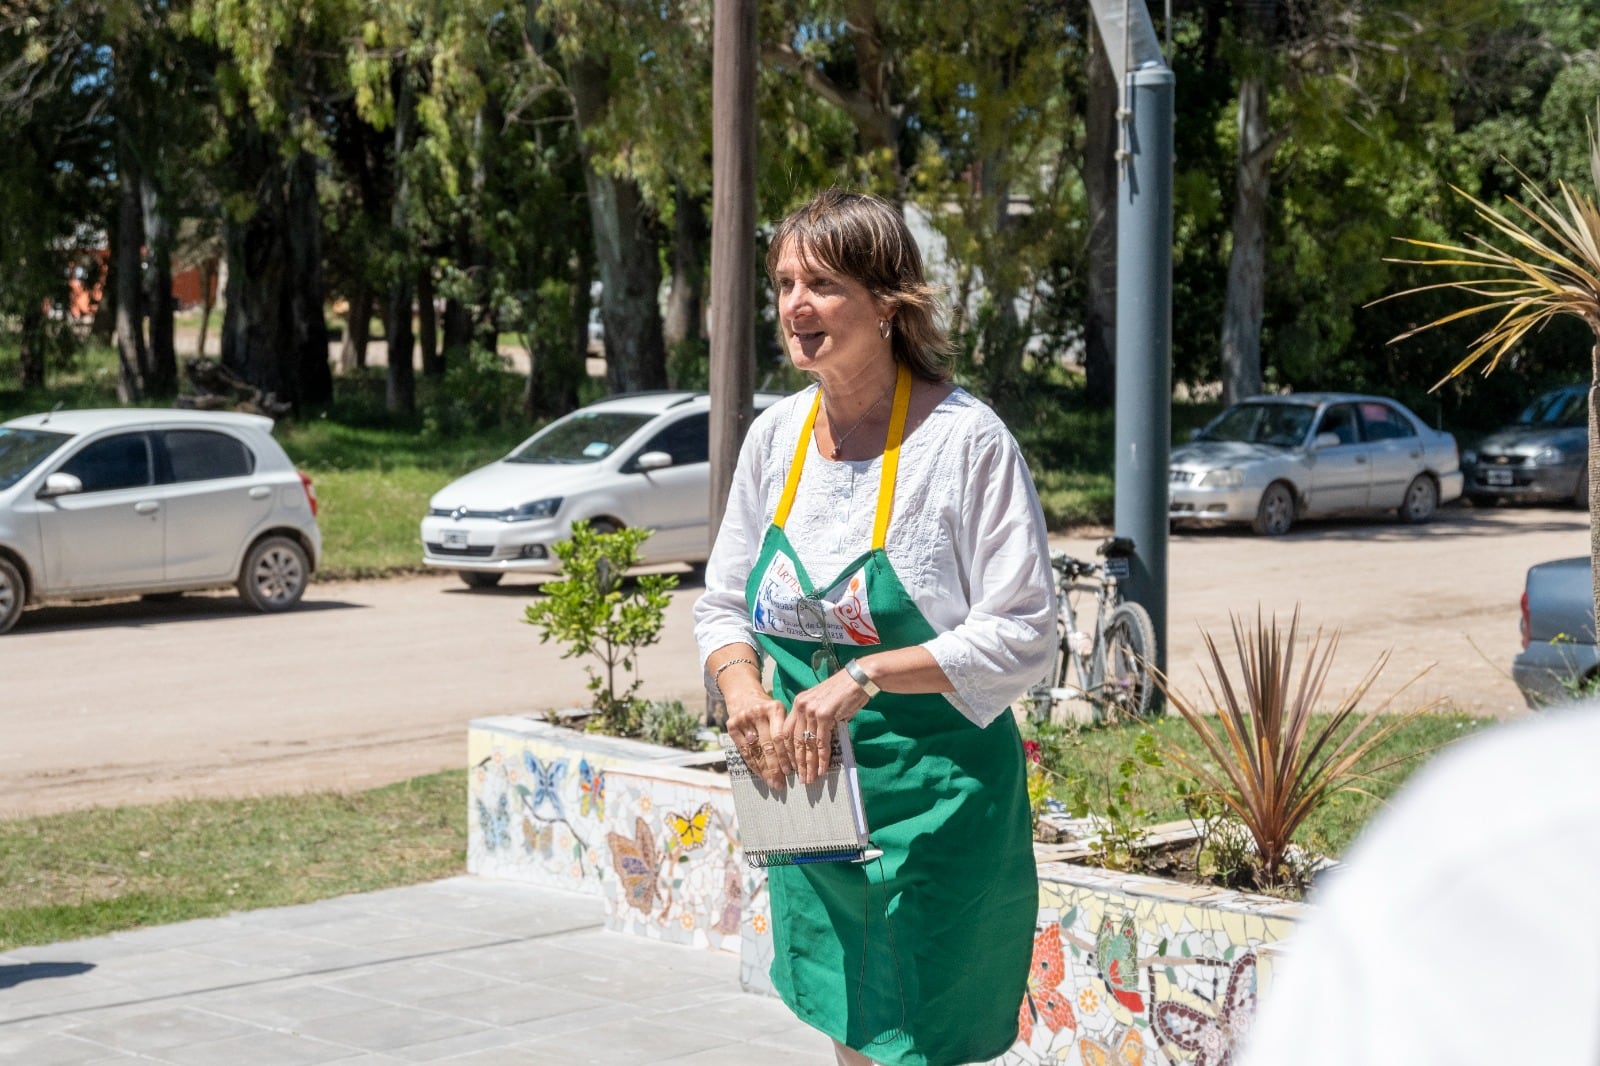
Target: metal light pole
[1144,299]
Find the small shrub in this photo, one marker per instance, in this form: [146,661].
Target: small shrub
[1272,770]
[669,722]
[596,613]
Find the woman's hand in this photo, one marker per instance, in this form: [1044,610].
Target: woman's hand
[808,731]
[754,722]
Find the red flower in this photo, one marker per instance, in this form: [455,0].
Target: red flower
[1031,749]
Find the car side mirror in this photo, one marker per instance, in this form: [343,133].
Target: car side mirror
[59,484]
[652,461]
[1326,440]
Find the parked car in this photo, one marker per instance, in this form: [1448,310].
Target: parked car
[1559,654]
[1542,456]
[638,460]
[132,502]
[1273,460]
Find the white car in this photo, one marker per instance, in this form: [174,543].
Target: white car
[139,502]
[634,461]
[1274,460]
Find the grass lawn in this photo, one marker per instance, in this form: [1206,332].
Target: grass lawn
[94,872]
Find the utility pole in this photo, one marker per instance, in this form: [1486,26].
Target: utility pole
[733,240]
[1144,299]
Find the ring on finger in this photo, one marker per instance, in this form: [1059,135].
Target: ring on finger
[809,736]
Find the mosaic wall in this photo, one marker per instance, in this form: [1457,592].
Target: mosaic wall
[1127,970]
[592,814]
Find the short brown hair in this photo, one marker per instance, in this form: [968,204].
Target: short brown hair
[865,239]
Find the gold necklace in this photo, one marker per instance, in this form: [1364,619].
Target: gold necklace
[839,438]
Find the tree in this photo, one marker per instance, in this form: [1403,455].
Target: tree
[1537,260]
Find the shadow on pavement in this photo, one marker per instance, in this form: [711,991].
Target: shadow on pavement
[12,976]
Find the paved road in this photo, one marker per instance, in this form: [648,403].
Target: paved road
[372,682]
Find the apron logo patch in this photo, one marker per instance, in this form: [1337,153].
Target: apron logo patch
[777,610]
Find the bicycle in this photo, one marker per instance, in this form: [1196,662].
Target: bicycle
[1109,667]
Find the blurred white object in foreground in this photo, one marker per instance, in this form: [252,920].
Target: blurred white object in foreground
[1463,928]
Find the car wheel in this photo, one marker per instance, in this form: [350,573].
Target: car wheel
[1275,513]
[478,579]
[1421,500]
[13,594]
[274,574]
[603,525]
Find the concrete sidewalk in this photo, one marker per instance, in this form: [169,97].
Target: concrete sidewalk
[462,971]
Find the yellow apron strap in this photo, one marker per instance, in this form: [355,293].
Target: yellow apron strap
[790,487]
[891,456]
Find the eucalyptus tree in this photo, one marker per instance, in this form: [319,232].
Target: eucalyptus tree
[1327,69]
[55,125]
[281,67]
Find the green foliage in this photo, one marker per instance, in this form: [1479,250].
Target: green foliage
[478,392]
[90,873]
[596,611]
[669,722]
[1269,764]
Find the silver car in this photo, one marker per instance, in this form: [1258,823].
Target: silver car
[1542,456]
[1559,654]
[1274,460]
[134,502]
[638,460]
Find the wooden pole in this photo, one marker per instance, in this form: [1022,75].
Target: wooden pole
[733,240]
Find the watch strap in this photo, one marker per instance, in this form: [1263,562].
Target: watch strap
[859,676]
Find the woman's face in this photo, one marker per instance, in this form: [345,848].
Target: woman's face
[829,321]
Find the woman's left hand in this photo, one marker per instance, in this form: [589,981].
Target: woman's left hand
[808,730]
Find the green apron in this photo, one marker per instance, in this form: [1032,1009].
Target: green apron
[939,981]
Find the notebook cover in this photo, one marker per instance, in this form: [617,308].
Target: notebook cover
[818,821]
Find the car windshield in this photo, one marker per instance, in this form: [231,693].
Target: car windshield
[23,449]
[1561,409]
[1280,424]
[581,437]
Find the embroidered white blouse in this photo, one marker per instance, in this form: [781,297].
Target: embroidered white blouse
[966,538]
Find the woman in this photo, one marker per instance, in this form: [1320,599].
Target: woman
[883,544]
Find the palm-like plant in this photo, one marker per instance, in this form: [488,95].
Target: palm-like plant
[1552,268]
[1273,765]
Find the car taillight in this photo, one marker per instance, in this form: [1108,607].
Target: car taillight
[311,493]
[1524,620]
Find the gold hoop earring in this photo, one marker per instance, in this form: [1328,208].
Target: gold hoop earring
[885,327]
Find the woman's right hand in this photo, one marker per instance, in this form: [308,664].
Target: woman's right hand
[754,722]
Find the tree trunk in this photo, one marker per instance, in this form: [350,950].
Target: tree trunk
[33,345]
[685,319]
[357,326]
[1100,195]
[626,251]
[1004,337]
[457,327]
[400,392]
[428,324]
[208,301]
[1247,264]
[131,355]
[161,378]
[310,375]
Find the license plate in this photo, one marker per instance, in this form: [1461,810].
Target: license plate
[1497,477]
[455,538]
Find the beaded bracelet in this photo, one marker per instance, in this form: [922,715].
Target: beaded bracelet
[716,682]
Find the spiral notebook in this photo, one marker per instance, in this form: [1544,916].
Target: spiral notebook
[820,822]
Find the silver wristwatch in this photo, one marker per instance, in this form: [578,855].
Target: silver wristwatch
[859,676]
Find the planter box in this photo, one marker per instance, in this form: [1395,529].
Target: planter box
[1119,960]
[634,823]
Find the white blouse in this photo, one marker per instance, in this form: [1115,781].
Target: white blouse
[966,539]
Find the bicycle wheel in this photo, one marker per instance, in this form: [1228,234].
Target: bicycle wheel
[1125,689]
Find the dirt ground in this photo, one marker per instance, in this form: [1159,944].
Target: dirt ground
[372,682]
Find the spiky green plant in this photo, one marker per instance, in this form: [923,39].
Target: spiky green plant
[1272,766]
[1552,268]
